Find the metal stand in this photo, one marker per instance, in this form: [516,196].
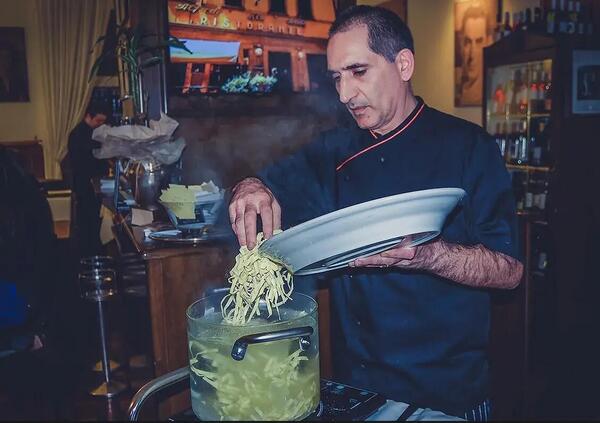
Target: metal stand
[98,285]
[109,388]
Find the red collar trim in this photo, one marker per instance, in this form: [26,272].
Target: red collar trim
[371,147]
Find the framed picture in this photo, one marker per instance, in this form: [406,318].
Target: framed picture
[13,65]
[585,97]
[474,22]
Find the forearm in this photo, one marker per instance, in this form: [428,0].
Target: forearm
[474,266]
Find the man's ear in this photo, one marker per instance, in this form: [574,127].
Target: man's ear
[405,62]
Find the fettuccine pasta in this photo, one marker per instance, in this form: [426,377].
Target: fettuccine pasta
[255,277]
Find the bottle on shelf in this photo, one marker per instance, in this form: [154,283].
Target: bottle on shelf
[571,25]
[499,101]
[551,18]
[498,27]
[516,22]
[500,139]
[562,18]
[522,145]
[526,23]
[537,24]
[533,91]
[581,20]
[547,91]
[506,28]
[513,144]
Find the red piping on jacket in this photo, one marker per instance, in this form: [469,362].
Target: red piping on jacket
[361,152]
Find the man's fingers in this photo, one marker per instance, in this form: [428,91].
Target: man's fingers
[266,216]
[250,228]
[373,261]
[276,215]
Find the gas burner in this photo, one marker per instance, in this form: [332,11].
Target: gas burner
[338,402]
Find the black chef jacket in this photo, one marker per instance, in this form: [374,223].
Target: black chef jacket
[412,336]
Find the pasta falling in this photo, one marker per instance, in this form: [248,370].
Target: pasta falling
[255,279]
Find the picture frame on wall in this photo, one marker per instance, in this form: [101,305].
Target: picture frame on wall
[14,86]
[585,97]
[474,22]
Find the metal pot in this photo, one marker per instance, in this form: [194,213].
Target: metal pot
[150,177]
[267,369]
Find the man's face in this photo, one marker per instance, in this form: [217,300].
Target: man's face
[369,85]
[96,121]
[474,40]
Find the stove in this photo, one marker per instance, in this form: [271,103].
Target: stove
[338,402]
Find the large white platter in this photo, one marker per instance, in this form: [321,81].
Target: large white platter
[335,239]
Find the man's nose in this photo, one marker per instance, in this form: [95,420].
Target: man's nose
[346,90]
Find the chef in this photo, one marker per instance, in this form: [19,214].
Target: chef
[410,323]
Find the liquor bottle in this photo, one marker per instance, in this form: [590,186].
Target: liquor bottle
[551,18]
[506,29]
[533,92]
[523,145]
[537,20]
[526,20]
[518,183]
[500,140]
[499,102]
[516,22]
[513,144]
[498,27]
[582,20]
[547,92]
[562,18]
[523,99]
[509,92]
[571,26]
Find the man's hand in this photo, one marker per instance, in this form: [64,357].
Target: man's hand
[252,198]
[474,266]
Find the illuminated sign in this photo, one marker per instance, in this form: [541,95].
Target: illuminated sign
[236,20]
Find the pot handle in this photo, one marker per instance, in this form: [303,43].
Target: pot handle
[241,345]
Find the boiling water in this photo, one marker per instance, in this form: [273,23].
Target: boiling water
[274,381]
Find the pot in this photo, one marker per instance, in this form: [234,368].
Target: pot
[150,177]
[267,369]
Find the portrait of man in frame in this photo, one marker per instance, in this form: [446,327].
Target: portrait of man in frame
[474,22]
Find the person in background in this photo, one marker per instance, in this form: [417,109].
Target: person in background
[35,363]
[475,35]
[411,322]
[84,167]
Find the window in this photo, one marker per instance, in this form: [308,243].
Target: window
[233,3]
[278,7]
[305,9]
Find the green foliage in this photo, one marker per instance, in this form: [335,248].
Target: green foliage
[131,46]
[248,83]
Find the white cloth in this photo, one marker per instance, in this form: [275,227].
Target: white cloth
[391,410]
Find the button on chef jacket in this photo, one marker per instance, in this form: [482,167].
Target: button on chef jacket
[412,336]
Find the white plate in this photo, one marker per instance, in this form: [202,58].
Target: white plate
[335,239]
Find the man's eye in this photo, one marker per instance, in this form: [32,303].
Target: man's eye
[359,72]
[335,78]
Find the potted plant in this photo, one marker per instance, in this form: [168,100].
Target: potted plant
[130,46]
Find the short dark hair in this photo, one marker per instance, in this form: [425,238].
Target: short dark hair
[97,108]
[388,34]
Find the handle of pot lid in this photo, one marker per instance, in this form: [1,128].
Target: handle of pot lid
[241,345]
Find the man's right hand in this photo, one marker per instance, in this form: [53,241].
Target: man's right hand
[252,198]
